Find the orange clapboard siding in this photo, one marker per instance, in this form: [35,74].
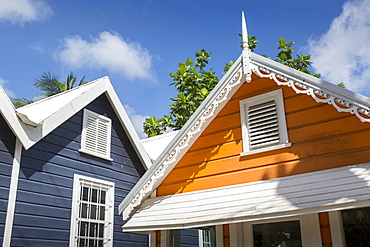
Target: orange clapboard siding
[158,238]
[327,129]
[226,233]
[321,138]
[325,229]
[297,152]
[303,150]
[217,138]
[263,173]
[224,123]
[314,115]
[300,102]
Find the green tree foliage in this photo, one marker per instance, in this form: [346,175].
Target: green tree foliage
[286,57]
[49,85]
[194,82]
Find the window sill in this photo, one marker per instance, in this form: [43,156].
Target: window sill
[95,154]
[265,149]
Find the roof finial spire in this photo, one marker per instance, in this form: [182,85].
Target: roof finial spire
[244,32]
[245,53]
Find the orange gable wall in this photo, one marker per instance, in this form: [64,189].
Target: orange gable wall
[321,138]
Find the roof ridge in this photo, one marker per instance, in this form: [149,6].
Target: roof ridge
[62,93]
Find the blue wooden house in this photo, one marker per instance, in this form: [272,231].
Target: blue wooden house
[65,164]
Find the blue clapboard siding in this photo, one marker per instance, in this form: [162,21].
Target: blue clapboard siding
[7,145]
[44,198]
[185,238]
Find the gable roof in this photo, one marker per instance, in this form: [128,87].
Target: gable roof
[248,62]
[156,144]
[33,122]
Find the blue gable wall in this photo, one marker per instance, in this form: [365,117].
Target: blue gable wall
[44,199]
[7,144]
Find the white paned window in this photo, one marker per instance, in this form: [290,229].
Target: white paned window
[92,212]
[263,123]
[96,135]
[207,237]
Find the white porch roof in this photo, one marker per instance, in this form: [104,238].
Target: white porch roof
[326,190]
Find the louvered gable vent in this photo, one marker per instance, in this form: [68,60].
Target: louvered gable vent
[263,123]
[96,135]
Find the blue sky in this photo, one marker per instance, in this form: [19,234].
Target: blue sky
[137,43]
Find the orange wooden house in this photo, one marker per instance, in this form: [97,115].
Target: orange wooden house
[273,157]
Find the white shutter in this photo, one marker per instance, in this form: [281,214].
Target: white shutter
[263,126]
[263,123]
[96,134]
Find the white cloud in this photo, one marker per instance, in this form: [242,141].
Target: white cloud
[3,83]
[108,51]
[137,121]
[21,11]
[342,54]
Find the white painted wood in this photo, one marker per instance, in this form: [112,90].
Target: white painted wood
[152,238]
[336,229]
[236,234]
[12,194]
[295,195]
[219,236]
[96,135]
[277,97]
[310,230]
[78,181]
[248,235]
[165,238]
[9,113]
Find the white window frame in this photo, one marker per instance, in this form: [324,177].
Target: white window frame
[78,182]
[309,224]
[203,242]
[277,96]
[104,120]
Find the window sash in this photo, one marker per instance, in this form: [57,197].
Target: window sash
[92,212]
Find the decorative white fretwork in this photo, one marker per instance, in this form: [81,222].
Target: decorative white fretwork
[318,94]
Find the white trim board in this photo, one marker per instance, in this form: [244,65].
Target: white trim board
[332,189]
[12,194]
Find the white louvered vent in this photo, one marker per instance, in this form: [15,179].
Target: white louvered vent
[263,125]
[96,135]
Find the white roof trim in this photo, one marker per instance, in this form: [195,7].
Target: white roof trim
[8,111]
[262,67]
[33,122]
[313,192]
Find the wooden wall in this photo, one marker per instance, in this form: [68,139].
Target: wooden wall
[44,198]
[321,138]
[7,145]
